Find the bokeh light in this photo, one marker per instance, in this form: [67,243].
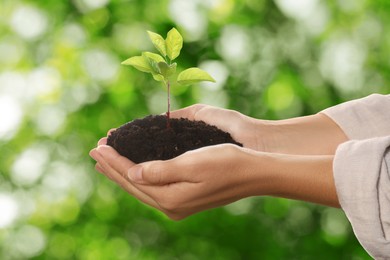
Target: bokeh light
[29,22]
[27,242]
[29,166]
[62,88]
[8,209]
[11,116]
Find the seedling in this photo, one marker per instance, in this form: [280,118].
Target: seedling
[162,67]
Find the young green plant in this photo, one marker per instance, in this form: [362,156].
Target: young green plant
[162,67]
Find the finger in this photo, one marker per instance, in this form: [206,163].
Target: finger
[226,120]
[97,157]
[108,152]
[188,112]
[117,162]
[160,173]
[99,168]
[102,141]
[187,167]
[94,154]
[110,131]
[208,114]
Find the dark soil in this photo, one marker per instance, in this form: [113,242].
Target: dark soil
[149,138]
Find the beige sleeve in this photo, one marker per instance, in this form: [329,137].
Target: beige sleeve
[362,177]
[363,118]
[362,170]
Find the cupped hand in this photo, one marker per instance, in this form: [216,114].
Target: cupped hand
[246,130]
[192,182]
[311,135]
[114,166]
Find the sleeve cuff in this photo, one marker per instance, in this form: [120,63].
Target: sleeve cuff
[363,118]
[361,173]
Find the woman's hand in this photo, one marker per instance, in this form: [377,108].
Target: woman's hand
[115,166]
[277,160]
[218,175]
[309,135]
[195,181]
[243,129]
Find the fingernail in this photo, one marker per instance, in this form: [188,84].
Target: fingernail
[103,150]
[135,174]
[93,154]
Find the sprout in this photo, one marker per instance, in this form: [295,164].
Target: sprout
[162,67]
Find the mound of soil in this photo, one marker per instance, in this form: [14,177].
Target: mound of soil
[149,138]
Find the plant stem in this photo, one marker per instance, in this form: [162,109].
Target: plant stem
[169,103]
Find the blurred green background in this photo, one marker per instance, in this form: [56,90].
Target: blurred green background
[62,87]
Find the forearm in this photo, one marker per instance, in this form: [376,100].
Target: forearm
[300,177]
[307,178]
[310,135]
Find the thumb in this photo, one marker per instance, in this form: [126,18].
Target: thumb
[154,173]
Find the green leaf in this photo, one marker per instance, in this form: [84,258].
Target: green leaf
[153,60]
[158,77]
[158,42]
[167,70]
[193,75]
[174,43]
[139,62]
[154,56]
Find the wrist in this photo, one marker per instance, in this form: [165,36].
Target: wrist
[308,135]
[308,178]
[257,176]
[300,177]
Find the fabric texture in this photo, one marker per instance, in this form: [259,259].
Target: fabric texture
[362,170]
[363,118]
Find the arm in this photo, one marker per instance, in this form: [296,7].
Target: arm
[215,176]
[363,118]
[218,175]
[315,134]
